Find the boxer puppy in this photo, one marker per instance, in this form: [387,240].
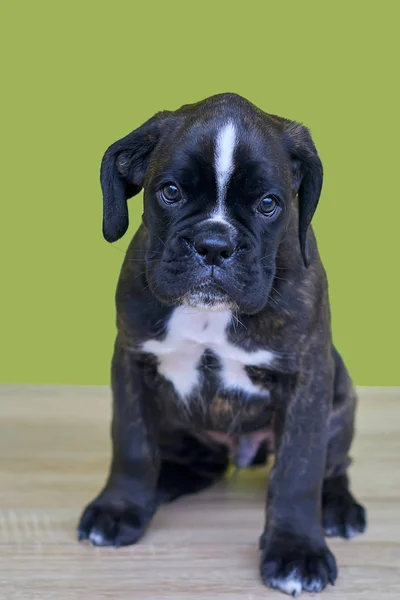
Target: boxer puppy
[224,349]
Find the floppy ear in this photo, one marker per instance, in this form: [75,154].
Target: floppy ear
[307,177]
[123,171]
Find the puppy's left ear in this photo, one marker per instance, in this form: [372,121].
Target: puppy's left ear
[307,177]
[123,171]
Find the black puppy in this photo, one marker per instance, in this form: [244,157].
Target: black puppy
[224,345]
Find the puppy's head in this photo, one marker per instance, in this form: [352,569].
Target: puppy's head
[220,179]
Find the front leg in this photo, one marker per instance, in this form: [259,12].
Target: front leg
[123,509]
[295,556]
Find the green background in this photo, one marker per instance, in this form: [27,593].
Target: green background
[79,75]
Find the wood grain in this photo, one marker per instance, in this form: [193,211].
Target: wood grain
[52,462]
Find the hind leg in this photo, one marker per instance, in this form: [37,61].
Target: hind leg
[188,466]
[341,514]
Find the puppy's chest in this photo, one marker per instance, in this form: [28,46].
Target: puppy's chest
[197,357]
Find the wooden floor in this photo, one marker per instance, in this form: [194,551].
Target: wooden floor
[54,452]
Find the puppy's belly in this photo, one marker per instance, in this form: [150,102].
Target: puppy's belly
[242,447]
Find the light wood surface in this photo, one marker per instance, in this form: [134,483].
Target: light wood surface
[54,452]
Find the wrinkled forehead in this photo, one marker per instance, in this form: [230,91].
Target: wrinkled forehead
[223,149]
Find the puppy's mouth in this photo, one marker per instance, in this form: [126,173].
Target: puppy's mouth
[209,296]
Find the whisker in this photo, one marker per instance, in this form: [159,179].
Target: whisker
[139,275]
[163,243]
[235,316]
[276,291]
[234,322]
[118,248]
[267,256]
[273,300]
[142,260]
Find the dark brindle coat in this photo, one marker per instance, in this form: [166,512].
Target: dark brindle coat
[229,249]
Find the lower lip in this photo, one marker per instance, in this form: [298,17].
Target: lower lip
[209,286]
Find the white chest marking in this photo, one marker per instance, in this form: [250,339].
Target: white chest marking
[190,333]
[224,165]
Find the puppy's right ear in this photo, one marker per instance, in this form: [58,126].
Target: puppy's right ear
[123,171]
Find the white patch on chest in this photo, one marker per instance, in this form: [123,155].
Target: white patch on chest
[190,333]
[224,165]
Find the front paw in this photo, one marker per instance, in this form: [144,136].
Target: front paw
[294,564]
[108,524]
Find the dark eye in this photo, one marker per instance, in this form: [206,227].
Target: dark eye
[269,206]
[170,193]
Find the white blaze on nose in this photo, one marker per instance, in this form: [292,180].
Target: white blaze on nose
[224,164]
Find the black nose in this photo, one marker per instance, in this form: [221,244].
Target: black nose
[214,248]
